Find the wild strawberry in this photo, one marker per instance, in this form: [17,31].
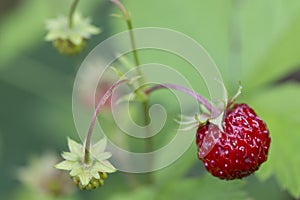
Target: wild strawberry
[91,174]
[239,149]
[70,38]
[93,183]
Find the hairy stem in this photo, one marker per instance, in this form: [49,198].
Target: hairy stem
[121,8]
[214,112]
[72,10]
[101,102]
[127,18]
[149,143]
[134,51]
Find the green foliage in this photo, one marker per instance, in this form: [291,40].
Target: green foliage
[282,117]
[270,41]
[178,169]
[205,187]
[254,41]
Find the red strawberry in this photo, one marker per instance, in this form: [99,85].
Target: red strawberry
[239,149]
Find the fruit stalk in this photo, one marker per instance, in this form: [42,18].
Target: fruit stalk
[72,10]
[128,20]
[149,143]
[214,112]
[100,104]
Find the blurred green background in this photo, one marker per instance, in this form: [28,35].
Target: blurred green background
[252,41]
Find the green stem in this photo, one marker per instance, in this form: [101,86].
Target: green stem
[72,10]
[149,142]
[149,145]
[134,51]
[127,18]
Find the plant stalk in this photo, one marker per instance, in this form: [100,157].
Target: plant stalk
[149,142]
[100,104]
[72,11]
[214,112]
[134,51]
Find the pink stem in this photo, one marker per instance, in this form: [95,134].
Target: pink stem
[102,101]
[122,8]
[214,112]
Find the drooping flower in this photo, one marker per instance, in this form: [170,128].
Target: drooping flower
[70,40]
[89,175]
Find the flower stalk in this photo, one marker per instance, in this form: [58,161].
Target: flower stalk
[149,143]
[128,20]
[214,112]
[94,118]
[71,13]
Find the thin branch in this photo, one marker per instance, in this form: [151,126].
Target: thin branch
[214,112]
[101,102]
[72,10]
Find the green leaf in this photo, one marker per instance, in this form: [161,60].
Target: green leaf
[248,40]
[279,108]
[207,187]
[271,42]
[258,189]
[194,18]
[178,169]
